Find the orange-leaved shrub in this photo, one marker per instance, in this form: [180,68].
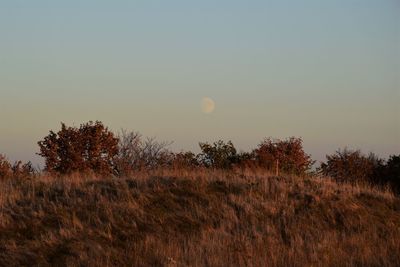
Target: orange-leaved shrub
[287,154]
[352,166]
[91,147]
[355,167]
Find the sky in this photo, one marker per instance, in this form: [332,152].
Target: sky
[325,71]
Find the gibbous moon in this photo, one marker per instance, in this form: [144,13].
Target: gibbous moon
[207,105]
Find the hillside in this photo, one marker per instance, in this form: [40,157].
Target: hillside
[200,218]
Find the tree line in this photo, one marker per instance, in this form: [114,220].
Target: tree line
[92,147]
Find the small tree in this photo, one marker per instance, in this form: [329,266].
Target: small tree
[351,166]
[136,153]
[155,153]
[90,147]
[219,155]
[285,155]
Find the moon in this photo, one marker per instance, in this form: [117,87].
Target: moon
[207,105]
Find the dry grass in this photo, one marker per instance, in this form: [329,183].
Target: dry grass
[196,218]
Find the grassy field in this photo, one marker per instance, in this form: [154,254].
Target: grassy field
[196,218]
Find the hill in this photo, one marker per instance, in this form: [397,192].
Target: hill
[196,218]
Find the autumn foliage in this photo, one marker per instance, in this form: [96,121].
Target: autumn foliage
[90,147]
[108,199]
[287,154]
[352,166]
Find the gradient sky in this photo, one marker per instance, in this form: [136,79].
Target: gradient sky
[326,71]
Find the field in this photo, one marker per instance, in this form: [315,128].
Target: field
[196,218]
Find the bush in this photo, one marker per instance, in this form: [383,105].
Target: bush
[287,154]
[5,167]
[352,166]
[219,155]
[137,154]
[90,147]
[391,172]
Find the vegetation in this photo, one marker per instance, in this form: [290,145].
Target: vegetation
[90,147]
[354,167]
[219,155]
[18,169]
[136,153]
[288,155]
[185,160]
[351,166]
[196,218]
[93,148]
[124,200]
[391,173]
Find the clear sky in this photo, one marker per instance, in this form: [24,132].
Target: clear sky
[326,71]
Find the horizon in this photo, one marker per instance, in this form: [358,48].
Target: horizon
[325,72]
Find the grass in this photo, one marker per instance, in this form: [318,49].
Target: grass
[196,218]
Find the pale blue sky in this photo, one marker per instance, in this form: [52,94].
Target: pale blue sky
[327,71]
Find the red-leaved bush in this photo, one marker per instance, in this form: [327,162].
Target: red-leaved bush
[287,154]
[90,147]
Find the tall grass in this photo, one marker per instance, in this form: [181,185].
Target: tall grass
[196,218]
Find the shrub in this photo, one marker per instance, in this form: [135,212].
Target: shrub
[5,167]
[352,166]
[287,154]
[219,155]
[90,147]
[391,172]
[134,153]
